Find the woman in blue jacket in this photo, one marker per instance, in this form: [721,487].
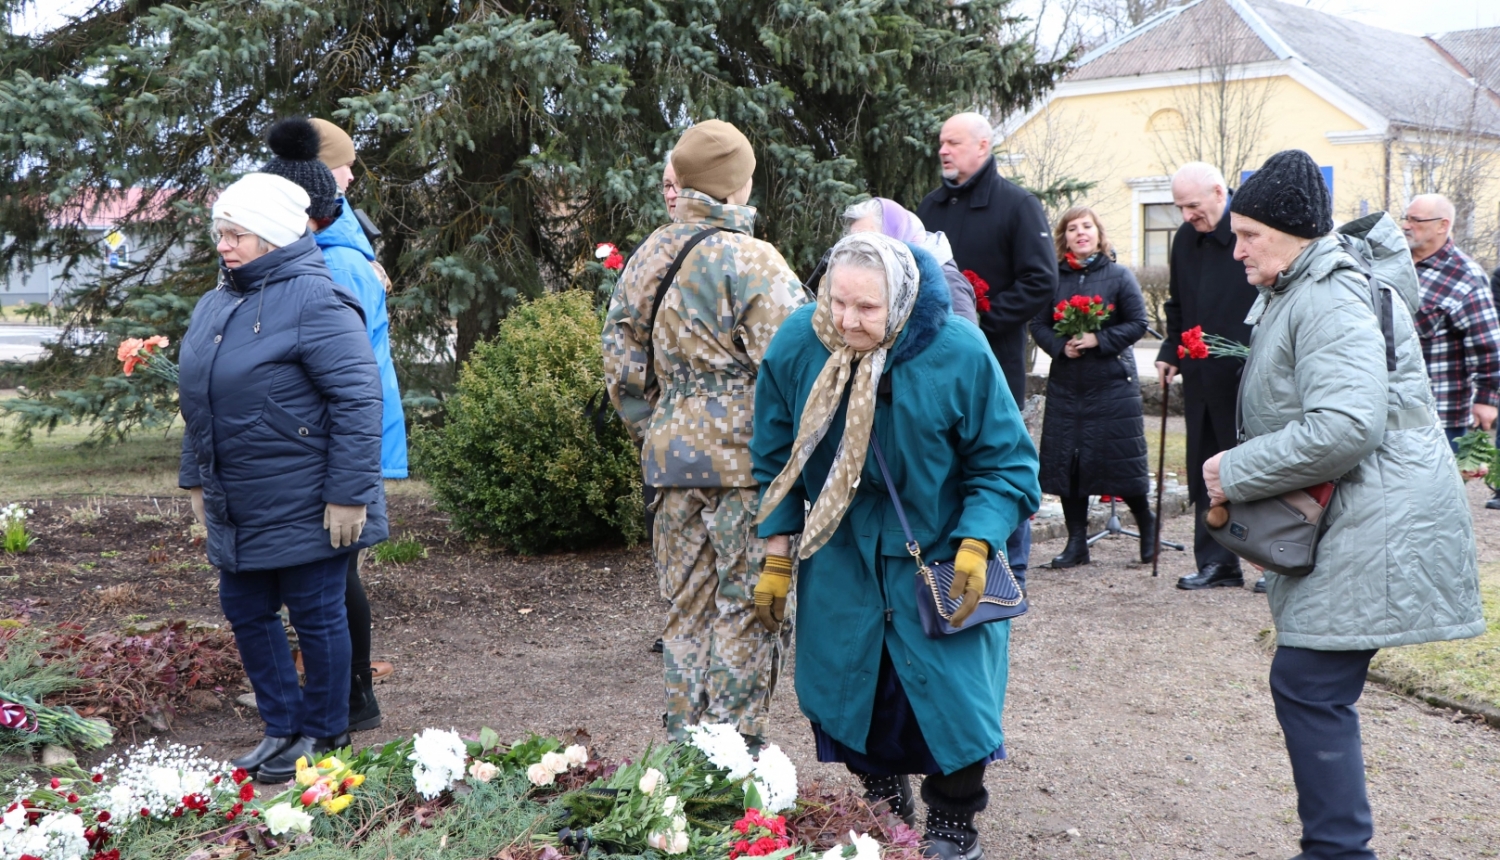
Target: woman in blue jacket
[316,154]
[281,398]
[881,351]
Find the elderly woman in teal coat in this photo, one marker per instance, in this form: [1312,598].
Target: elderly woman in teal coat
[881,350]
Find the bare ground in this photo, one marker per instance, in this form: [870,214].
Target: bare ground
[1139,722]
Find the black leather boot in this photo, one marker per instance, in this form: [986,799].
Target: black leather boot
[893,791]
[1076,513]
[284,766]
[267,749]
[1145,526]
[951,834]
[364,711]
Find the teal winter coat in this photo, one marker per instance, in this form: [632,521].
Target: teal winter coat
[964,467]
[1396,565]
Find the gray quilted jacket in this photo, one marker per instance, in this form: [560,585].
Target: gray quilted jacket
[1397,563]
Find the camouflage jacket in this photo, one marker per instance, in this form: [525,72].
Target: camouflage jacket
[691,410]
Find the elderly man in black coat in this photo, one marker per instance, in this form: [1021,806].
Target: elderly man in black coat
[1208,289]
[999,232]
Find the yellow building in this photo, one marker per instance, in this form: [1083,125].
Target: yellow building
[1229,82]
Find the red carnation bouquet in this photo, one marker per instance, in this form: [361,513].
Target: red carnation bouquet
[1080,315]
[760,836]
[1196,344]
[981,290]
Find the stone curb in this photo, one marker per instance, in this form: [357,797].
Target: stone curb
[1488,713]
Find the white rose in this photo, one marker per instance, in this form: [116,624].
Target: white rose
[679,823]
[649,781]
[555,762]
[679,843]
[483,771]
[657,841]
[669,806]
[576,755]
[283,818]
[540,775]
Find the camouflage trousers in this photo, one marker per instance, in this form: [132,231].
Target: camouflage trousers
[720,664]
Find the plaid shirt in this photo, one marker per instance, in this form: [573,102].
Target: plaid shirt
[1460,334]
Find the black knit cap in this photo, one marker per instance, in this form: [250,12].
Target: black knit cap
[1287,193]
[294,143]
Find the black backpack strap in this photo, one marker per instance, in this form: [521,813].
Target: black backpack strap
[668,278]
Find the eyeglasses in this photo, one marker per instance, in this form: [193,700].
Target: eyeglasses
[1407,219]
[229,237]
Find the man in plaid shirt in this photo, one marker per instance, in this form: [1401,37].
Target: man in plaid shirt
[1459,328]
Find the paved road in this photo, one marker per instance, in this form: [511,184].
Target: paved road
[24,342]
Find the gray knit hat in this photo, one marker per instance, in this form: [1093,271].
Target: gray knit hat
[1287,193]
[295,143]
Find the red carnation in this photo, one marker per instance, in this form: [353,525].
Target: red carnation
[981,290]
[1056,317]
[1098,300]
[614,261]
[247,791]
[240,775]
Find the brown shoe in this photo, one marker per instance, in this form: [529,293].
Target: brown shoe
[381,669]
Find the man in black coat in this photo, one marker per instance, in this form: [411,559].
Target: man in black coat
[998,231]
[1208,288]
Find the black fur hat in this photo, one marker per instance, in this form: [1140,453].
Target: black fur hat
[1287,193]
[294,144]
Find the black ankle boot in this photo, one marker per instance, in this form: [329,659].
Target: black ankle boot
[893,791]
[268,749]
[951,834]
[364,711]
[283,766]
[1076,514]
[1145,524]
[1077,550]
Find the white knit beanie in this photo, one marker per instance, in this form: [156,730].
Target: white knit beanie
[269,206]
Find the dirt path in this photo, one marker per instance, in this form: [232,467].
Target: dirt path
[1139,722]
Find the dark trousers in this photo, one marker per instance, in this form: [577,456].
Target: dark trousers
[1315,692]
[1018,550]
[314,597]
[1207,435]
[357,604]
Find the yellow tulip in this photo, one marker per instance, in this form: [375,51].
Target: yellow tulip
[330,763]
[306,775]
[338,804]
[352,782]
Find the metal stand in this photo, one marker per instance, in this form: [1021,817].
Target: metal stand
[1114,529]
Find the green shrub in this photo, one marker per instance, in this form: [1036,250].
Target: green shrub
[519,460]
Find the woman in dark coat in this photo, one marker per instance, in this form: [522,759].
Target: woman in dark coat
[282,401]
[1093,441]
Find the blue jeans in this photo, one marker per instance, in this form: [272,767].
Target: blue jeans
[1315,692]
[1018,550]
[314,597]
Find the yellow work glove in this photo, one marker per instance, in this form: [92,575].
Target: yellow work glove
[344,523]
[770,591]
[195,495]
[968,578]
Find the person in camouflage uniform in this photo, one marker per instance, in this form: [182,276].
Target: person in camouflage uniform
[684,383]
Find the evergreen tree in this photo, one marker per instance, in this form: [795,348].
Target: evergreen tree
[498,142]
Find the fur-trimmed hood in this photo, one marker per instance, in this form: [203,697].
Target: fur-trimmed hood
[930,312]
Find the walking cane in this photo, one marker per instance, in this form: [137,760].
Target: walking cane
[1161,476]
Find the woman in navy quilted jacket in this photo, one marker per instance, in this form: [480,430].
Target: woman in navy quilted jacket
[282,401]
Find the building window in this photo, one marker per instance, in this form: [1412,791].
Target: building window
[1160,221]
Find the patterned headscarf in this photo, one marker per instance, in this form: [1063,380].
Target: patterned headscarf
[901,284]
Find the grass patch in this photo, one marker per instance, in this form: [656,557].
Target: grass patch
[1465,668]
[58,464]
[399,551]
[1176,451]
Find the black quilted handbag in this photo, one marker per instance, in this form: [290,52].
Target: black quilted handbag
[1002,597]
